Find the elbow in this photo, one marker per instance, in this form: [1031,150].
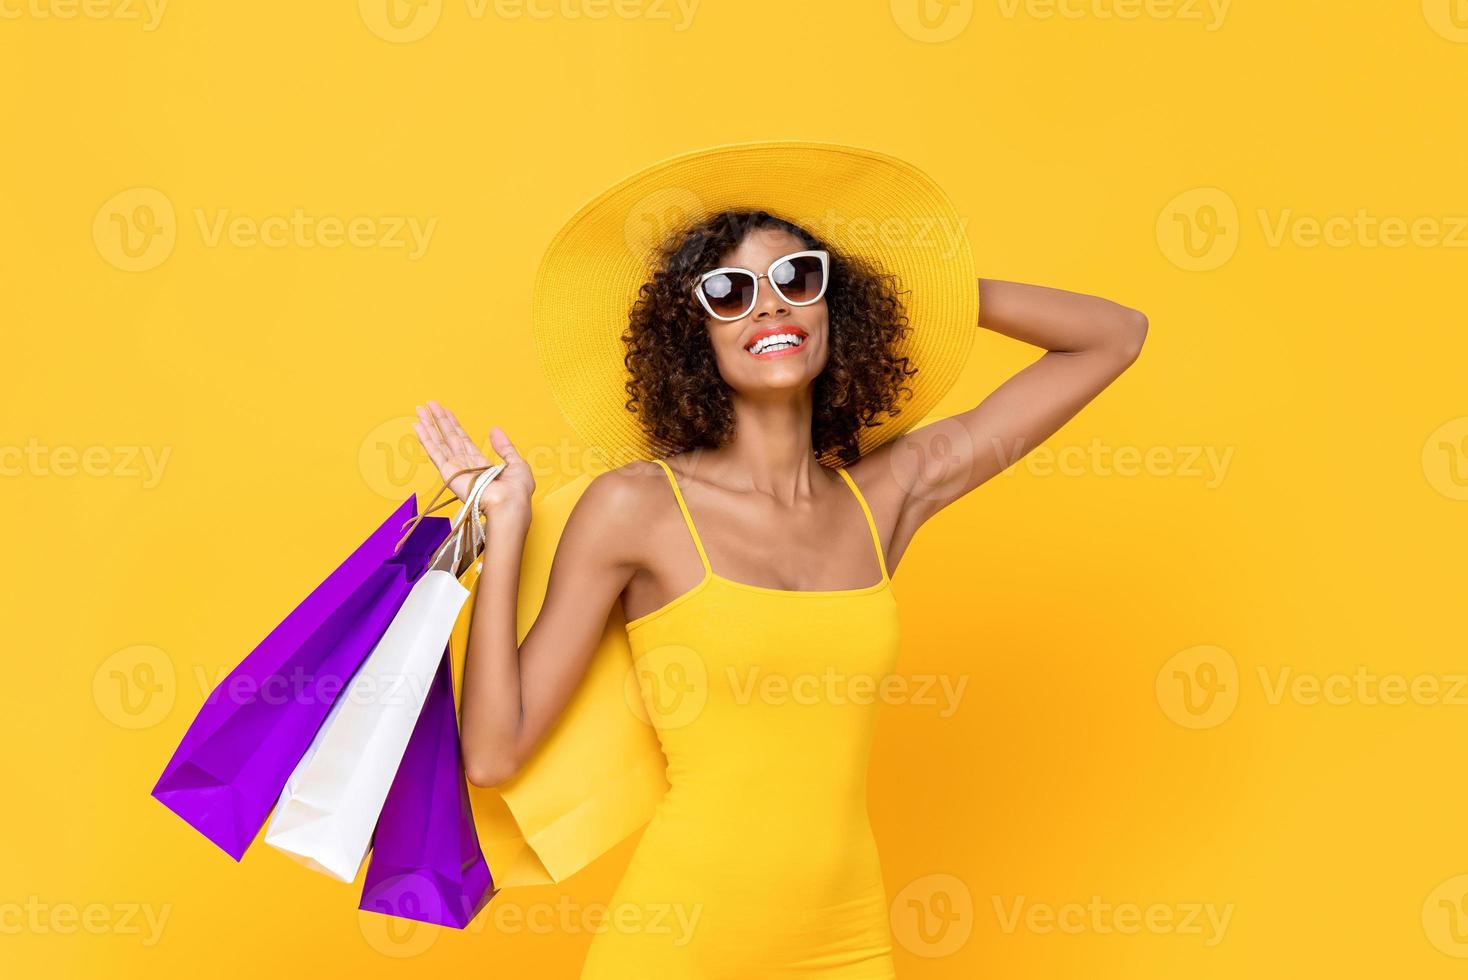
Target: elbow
[1131,334]
[486,773]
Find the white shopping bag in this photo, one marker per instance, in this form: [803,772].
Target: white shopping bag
[328,810]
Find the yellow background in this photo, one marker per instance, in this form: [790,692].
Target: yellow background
[1150,153]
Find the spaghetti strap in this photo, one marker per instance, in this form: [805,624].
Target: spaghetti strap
[688,518]
[871,523]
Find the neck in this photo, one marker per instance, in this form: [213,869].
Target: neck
[771,452]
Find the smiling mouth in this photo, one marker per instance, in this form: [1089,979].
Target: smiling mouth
[775,344]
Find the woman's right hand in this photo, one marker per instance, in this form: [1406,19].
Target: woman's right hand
[451,450]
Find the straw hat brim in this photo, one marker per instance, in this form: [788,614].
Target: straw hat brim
[861,202]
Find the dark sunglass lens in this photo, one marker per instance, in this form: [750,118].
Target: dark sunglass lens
[729,292]
[799,278]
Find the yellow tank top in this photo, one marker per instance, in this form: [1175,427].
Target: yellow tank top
[759,860]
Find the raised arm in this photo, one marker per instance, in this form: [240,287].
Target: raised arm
[513,692]
[1088,342]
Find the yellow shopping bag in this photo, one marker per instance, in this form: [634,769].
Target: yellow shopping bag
[600,772]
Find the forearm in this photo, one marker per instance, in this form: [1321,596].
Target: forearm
[492,706]
[1057,319]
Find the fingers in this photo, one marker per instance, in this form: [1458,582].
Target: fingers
[458,439]
[429,435]
[442,425]
[502,443]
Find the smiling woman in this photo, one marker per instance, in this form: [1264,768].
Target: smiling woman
[765,381]
[829,307]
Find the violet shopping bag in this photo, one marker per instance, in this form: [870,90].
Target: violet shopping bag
[330,803]
[426,861]
[228,770]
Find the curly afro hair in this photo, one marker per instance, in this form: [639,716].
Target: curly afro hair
[675,388]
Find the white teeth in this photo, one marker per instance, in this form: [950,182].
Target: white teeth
[778,341]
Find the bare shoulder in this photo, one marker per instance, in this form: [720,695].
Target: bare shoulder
[615,510]
[630,489]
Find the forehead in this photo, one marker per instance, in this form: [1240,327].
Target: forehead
[760,247]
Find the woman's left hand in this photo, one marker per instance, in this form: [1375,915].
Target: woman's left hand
[451,450]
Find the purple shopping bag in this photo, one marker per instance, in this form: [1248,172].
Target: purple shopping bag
[426,862]
[254,727]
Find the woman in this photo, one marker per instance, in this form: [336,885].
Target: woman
[755,351]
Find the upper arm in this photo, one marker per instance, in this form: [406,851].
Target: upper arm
[934,465]
[594,559]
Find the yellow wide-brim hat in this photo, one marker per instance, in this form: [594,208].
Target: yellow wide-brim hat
[861,202]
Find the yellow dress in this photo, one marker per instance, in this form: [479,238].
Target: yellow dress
[759,862]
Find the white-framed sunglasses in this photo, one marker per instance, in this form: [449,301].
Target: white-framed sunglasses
[799,279]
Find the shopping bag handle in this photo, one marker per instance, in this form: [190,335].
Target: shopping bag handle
[466,534]
[434,505]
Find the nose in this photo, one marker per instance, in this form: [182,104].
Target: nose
[768,303]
